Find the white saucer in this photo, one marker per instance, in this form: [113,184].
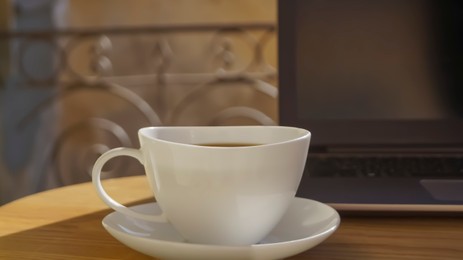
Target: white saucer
[306,224]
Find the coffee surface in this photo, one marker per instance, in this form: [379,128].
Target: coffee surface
[228,144]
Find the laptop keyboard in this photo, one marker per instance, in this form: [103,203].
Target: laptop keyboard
[369,166]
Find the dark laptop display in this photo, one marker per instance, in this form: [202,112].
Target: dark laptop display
[379,83]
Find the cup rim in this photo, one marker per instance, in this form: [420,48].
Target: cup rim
[304,135]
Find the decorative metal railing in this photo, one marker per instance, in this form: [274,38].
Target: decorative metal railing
[78,93]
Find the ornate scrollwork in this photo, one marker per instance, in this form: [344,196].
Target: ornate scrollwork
[246,112]
[71,160]
[161,93]
[224,81]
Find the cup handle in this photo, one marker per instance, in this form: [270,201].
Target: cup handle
[96,178]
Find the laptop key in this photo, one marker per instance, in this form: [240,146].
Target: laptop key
[386,166]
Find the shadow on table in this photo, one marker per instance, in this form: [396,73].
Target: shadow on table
[81,237]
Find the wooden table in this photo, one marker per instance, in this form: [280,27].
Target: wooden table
[65,223]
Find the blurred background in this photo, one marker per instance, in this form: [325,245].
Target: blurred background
[80,77]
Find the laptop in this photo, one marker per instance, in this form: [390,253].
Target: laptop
[379,83]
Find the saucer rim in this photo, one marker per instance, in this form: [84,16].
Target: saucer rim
[320,236]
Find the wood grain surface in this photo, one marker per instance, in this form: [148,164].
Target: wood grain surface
[65,223]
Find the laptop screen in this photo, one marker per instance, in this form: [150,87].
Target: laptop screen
[373,72]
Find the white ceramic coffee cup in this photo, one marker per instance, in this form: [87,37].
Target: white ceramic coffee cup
[217,195]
